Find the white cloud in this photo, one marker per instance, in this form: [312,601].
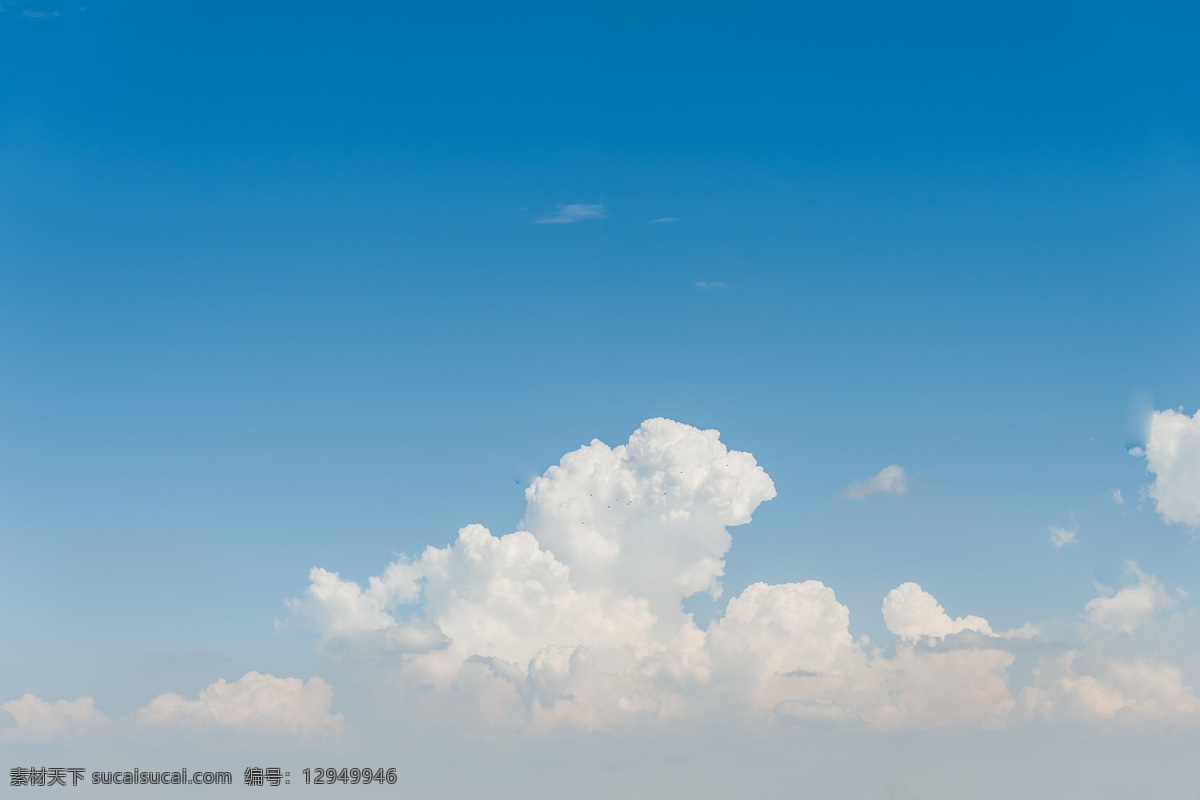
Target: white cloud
[1131,607]
[709,286]
[1109,679]
[1173,455]
[787,650]
[341,608]
[576,620]
[920,688]
[1134,691]
[890,480]
[586,596]
[912,613]
[573,212]
[780,644]
[1060,537]
[41,721]
[1117,497]
[649,513]
[662,220]
[255,703]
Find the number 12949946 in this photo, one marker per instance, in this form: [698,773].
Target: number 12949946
[359,775]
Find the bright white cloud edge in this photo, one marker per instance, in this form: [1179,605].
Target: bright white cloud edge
[1172,454]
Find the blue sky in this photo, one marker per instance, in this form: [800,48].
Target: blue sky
[274,295]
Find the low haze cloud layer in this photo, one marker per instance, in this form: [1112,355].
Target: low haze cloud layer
[257,704]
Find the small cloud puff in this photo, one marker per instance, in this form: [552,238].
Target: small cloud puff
[1061,537]
[892,479]
[662,220]
[1131,607]
[709,286]
[1117,497]
[573,212]
[912,613]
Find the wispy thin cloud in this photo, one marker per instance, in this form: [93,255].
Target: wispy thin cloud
[661,220]
[573,212]
[892,479]
[710,286]
[39,14]
[1061,537]
[1117,498]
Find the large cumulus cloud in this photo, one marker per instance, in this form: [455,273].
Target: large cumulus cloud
[577,619]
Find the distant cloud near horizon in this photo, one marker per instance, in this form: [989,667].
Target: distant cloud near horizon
[257,703]
[573,212]
[892,479]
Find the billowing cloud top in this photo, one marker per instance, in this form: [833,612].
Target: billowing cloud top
[577,619]
[911,613]
[650,516]
[590,593]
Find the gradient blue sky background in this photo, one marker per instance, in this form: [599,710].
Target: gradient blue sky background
[272,296]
